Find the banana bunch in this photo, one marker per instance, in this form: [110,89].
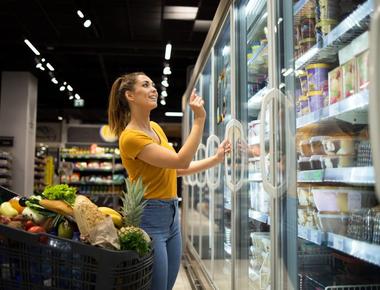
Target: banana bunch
[116,217]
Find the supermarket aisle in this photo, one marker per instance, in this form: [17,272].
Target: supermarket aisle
[182,282]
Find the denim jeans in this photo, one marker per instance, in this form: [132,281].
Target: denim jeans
[160,220]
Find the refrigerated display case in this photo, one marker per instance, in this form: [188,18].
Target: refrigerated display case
[289,84]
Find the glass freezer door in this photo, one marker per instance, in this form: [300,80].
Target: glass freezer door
[253,245]
[222,263]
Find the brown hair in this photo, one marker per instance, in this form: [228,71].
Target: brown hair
[119,113]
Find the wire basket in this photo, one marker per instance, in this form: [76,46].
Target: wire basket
[42,261]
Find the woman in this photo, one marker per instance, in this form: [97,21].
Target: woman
[145,152]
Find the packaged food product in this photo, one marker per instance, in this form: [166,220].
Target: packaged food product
[341,145]
[362,64]
[307,26]
[332,223]
[316,162]
[303,82]
[317,144]
[338,161]
[304,105]
[328,9]
[316,100]
[305,147]
[349,78]
[304,163]
[335,85]
[306,44]
[325,26]
[364,157]
[303,194]
[317,80]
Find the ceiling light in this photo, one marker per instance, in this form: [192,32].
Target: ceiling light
[164,94]
[168,51]
[64,83]
[30,45]
[43,60]
[62,88]
[77,96]
[202,25]
[165,82]
[70,88]
[54,81]
[173,114]
[163,102]
[87,23]
[180,12]
[49,66]
[60,118]
[80,14]
[71,97]
[167,71]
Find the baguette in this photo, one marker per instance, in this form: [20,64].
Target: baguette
[57,206]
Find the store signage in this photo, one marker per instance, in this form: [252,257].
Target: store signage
[6,141]
[79,103]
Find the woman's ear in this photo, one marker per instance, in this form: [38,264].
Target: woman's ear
[129,96]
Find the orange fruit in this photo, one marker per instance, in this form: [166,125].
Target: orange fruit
[14,203]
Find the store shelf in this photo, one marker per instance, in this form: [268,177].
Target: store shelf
[94,194]
[259,216]
[106,182]
[107,156]
[349,175]
[311,235]
[255,177]
[359,249]
[227,249]
[350,109]
[355,24]
[97,170]
[254,102]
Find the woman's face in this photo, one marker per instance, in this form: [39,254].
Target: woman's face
[145,93]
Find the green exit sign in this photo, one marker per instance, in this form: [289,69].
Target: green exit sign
[78,103]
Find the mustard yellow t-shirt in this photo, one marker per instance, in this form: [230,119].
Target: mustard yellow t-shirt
[161,183]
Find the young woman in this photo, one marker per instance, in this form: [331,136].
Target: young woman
[145,152]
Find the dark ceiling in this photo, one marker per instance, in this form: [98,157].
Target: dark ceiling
[125,36]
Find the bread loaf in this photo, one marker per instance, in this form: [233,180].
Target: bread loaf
[58,206]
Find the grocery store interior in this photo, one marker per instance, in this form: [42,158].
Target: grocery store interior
[293,85]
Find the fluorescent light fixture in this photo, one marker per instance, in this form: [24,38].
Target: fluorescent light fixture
[168,51]
[60,118]
[163,102]
[71,97]
[167,71]
[80,14]
[77,96]
[62,88]
[49,66]
[174,114]
[87,23]
[54,81]
[31,46]
[165,82]
[202,25]
[43,60]
[64,83]
[70,88]
[164,94]
[180,12]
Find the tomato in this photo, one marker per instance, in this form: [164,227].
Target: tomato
[36,229]
[29,224]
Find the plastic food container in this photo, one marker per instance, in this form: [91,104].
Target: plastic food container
[317,142]
[328,9]
[342,145]
[305,148]
[338,161]
[303,82]
[304,195]
[332,223]
[304,163]
[304,105]
[316,162]
[341,199]
[362,64]
[335,85]
[317,77]
[349,78]
[316,100]
[325,26]
[307,27]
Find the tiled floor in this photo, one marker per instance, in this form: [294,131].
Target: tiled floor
[182,282]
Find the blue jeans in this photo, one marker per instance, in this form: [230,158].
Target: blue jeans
[160,220]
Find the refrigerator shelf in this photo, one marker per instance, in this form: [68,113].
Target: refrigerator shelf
[254,102]
[349,175]
[350,109]
[359,249]
[354,25]
[259,216]
[311,235]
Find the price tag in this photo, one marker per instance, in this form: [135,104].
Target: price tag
[338,243]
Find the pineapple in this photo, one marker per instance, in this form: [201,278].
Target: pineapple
[131,236]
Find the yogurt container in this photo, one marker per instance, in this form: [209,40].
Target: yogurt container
[317,77]
[316,100]
[303,82]
[304,105]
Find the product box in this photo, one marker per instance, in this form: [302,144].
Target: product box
[335,85]
[349,78]
[362,65]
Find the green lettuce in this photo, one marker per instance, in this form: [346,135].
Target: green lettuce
[60,192]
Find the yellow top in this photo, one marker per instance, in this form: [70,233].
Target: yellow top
[161,183]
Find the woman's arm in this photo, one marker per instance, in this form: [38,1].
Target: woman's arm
[204,164]
[159,156]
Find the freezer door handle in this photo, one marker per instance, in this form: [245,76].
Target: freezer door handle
[201,154]
[374,104]
[212,145]
[269,97]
